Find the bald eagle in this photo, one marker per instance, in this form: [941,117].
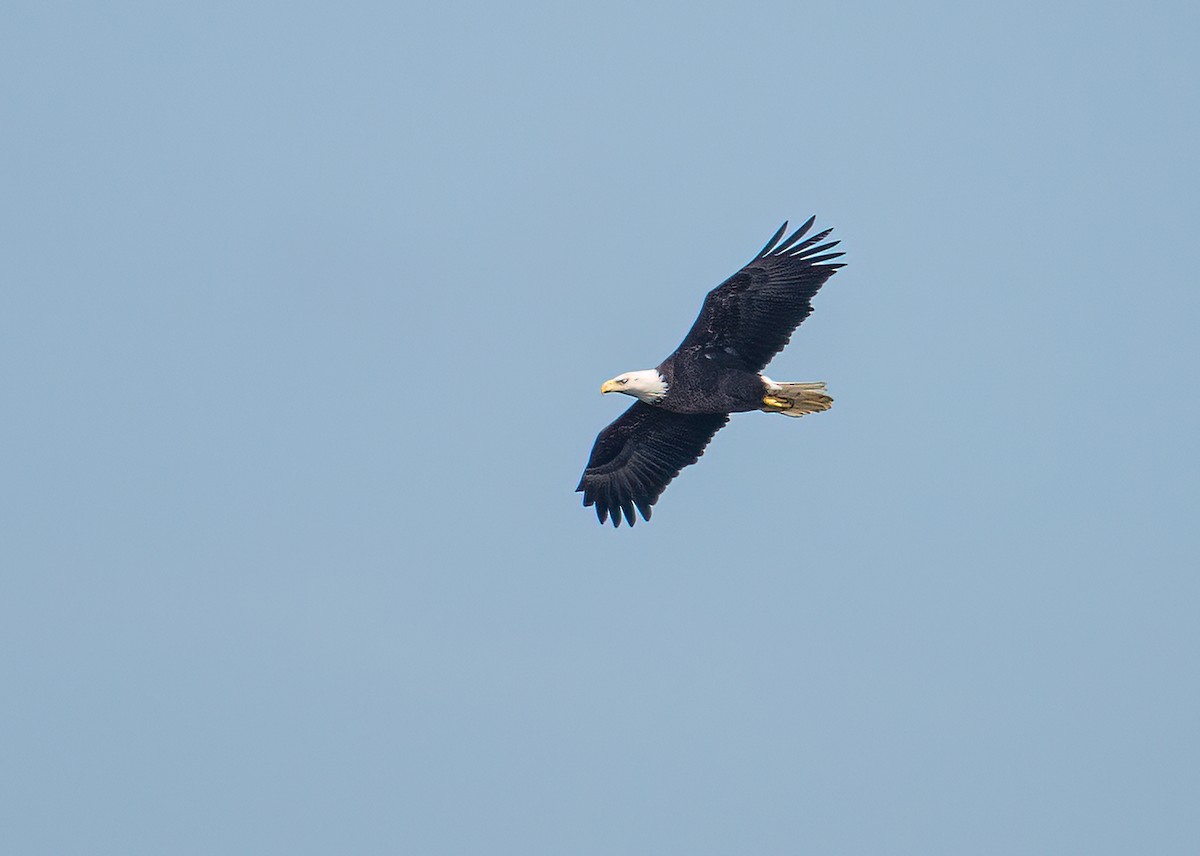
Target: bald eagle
[716,371]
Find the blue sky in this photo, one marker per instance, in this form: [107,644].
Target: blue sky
[304,314]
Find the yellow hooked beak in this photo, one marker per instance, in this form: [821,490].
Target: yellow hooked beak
[610,386]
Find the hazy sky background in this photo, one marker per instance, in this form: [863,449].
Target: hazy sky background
[303,315]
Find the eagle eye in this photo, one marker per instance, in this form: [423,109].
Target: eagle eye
[623,380]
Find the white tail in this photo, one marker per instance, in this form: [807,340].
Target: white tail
[795,399]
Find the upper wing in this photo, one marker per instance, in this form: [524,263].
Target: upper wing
[636,457]
[751,315]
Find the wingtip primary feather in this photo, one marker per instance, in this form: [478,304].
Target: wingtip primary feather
[796,236]
[817,259]
[774,240]
[805,251]
[617,511]
[799,249]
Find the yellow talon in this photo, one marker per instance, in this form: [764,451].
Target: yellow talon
[777,403]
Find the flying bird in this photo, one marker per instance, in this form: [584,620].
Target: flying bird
[716,371]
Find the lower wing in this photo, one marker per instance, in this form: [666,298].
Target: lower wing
[635,458]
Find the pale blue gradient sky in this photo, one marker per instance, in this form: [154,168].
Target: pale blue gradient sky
[303,317]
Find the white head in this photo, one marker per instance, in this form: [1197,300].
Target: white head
[648,385]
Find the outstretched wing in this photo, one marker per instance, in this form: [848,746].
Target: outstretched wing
[751,315]
[635,458]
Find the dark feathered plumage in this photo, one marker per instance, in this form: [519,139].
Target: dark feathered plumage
[753,313]
[745,321]
[637,456]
